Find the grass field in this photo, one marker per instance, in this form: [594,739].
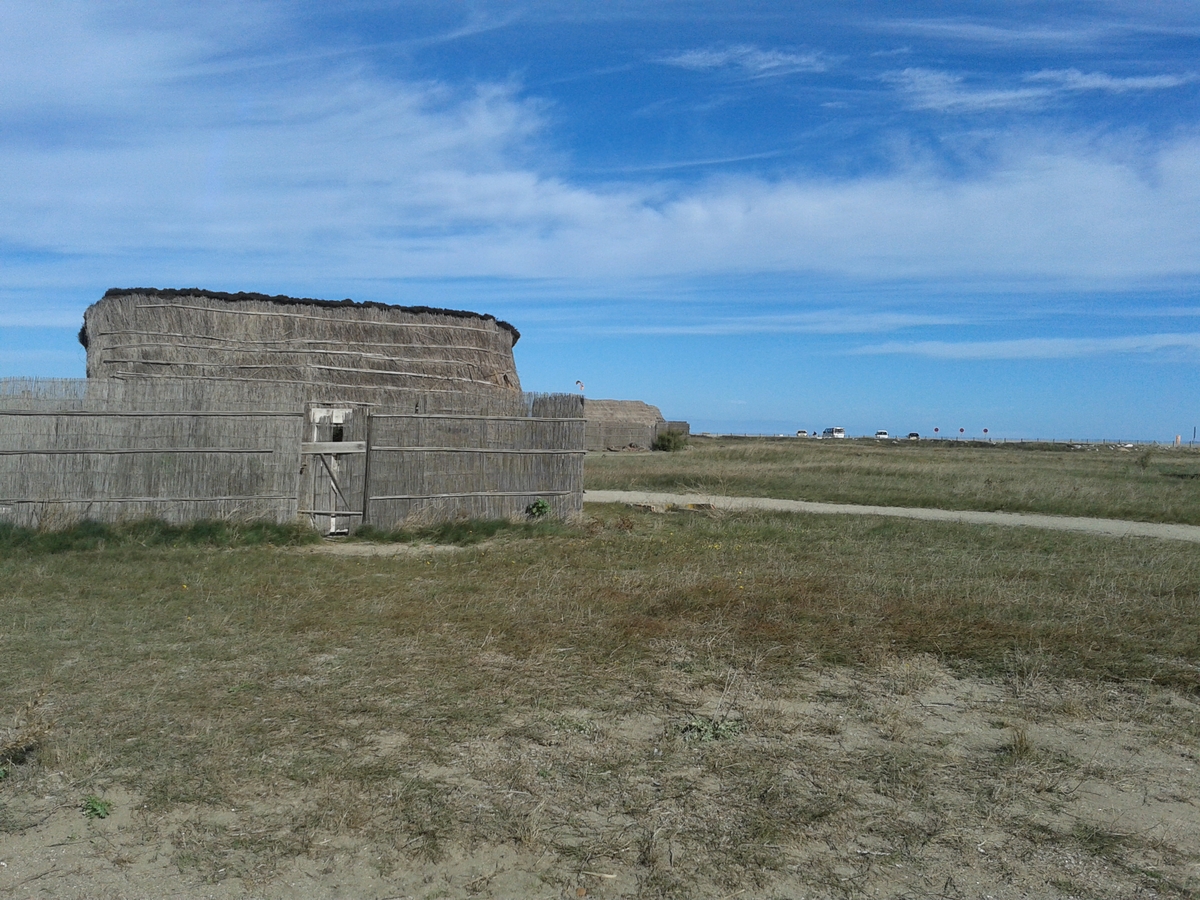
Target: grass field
[1143,484]
[670,705]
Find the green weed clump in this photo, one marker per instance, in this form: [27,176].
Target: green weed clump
[96,807]
[537,509]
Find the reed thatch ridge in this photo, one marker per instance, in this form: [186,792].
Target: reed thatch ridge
[321,346]
[241,296]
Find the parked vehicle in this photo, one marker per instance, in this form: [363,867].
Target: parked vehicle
[881,435]
[914,436]
[833,433]
[801,433]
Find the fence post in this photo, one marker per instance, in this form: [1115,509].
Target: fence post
[366,497]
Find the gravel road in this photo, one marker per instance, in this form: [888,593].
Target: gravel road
[1110,527]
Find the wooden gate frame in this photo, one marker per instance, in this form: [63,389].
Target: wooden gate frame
[328,451]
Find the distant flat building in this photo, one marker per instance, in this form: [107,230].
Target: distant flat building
[625,425]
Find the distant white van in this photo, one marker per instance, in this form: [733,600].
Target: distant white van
[833,433]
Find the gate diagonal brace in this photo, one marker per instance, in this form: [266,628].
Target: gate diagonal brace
[333,480]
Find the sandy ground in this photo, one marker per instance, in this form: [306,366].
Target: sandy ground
[902,781]
[367,548]
[1110,527]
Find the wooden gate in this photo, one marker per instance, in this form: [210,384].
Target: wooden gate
[334,472]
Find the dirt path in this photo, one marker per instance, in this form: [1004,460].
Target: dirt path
[1110,527]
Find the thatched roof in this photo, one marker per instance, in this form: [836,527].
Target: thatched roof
[242,296]
[192,333]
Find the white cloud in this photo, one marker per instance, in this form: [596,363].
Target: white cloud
[1037,348]
[1074,80]
[945,92]
[962,30]
[750,60]
[950,93]
[367,181]
[326,174]
[1098,26]
[99,59]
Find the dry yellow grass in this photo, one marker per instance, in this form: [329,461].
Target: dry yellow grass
[645,705]
[1152,485]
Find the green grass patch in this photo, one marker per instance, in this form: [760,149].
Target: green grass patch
[90,535]
[465,532]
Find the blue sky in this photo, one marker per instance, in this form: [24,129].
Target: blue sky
[758,216]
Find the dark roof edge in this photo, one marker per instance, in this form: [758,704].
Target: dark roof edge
[243,296]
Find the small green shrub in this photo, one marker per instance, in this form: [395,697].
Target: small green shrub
[96,807]
[670,441]
[538,509]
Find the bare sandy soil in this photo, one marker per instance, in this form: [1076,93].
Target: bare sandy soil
[368,548]
[1111,527]
[904,780]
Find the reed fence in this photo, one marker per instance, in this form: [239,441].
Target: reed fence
[426,467]
[178,451]
[186,449]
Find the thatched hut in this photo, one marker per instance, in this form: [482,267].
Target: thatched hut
[333,348]
[201,404]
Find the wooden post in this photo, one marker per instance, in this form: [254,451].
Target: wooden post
[366,495]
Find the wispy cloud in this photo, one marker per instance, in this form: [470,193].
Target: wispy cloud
[817,322]
[947,92]
[692,163]
[814,322]
[1037,348]
[1085,30]
[1075,80]
[749,60]
[960,30]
